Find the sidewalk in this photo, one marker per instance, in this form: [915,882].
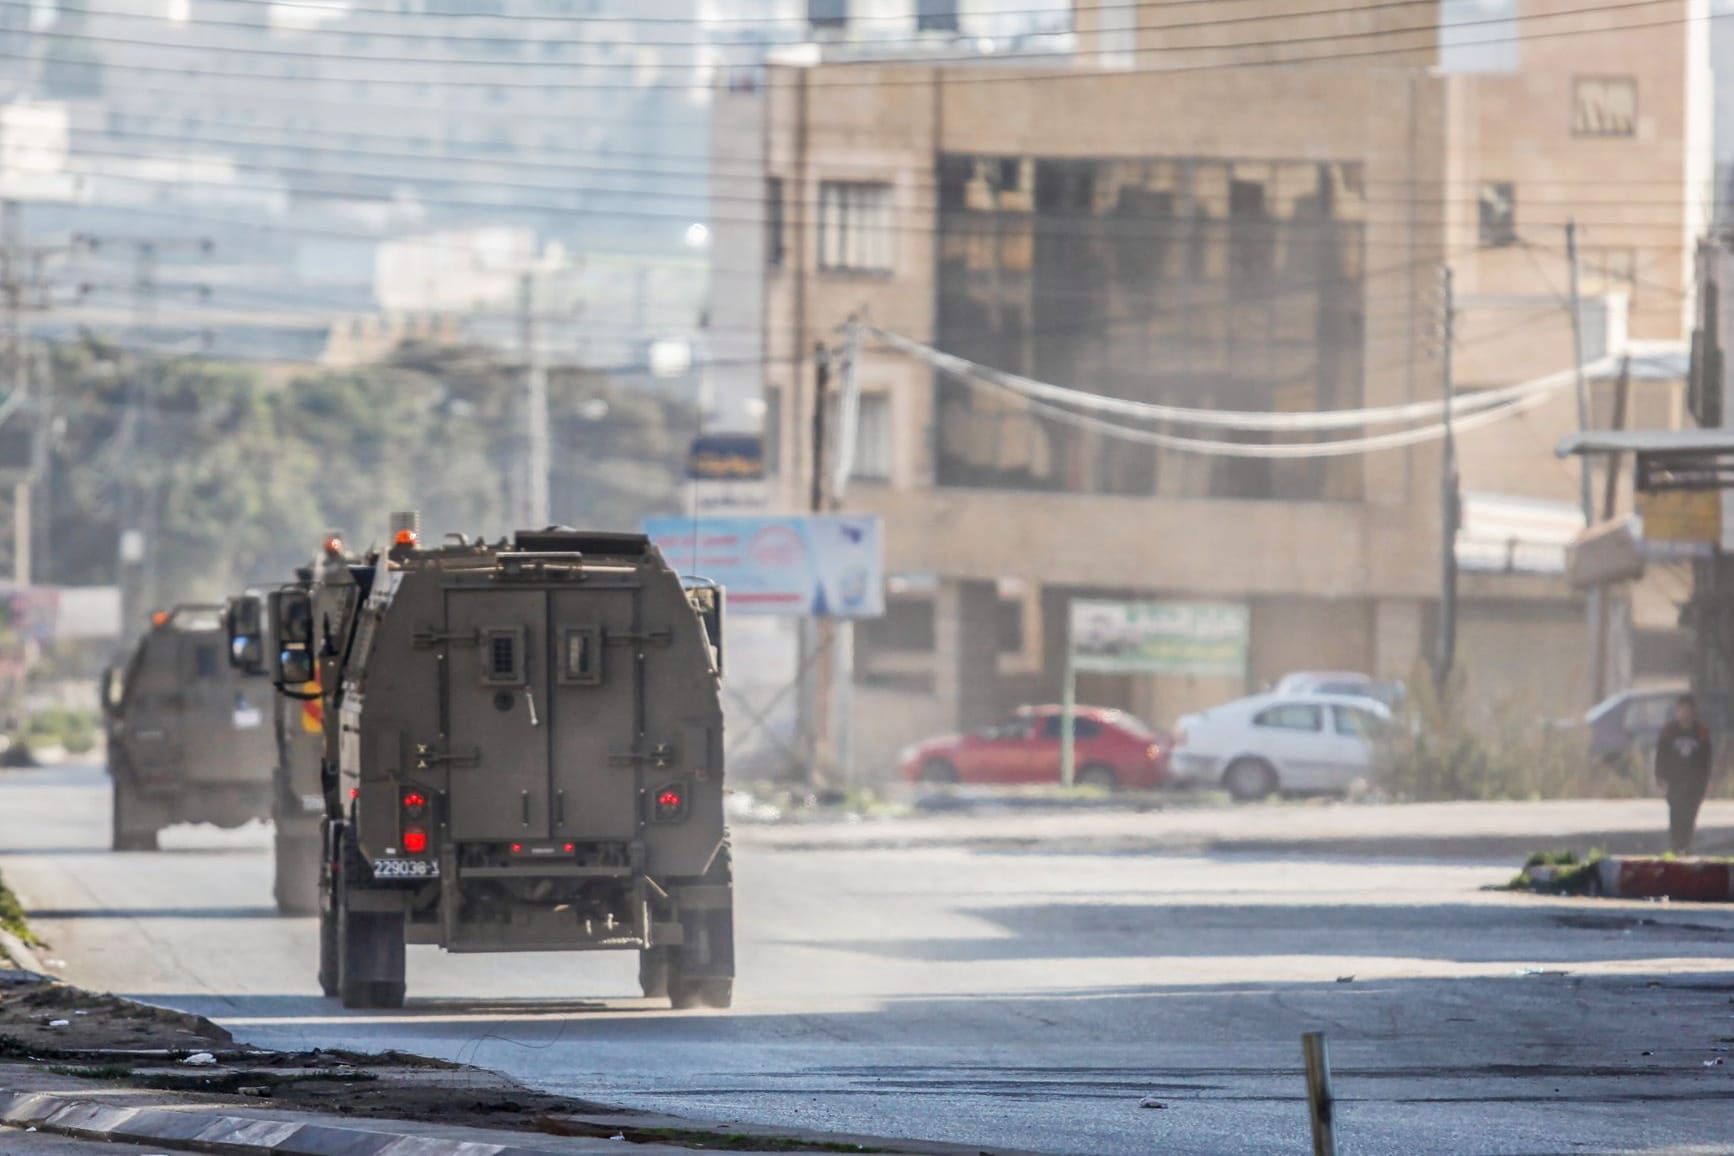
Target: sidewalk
[1482,831]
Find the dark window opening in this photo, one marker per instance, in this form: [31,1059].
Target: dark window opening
[503,660]
[205,662]
[1498,211]
[581,656]
[503,657]
[936,15]
[774,222]
[828,13]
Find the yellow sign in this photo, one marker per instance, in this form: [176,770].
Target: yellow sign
[1682,515]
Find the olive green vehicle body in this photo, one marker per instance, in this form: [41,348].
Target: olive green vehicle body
[522,751]
[189,736]
[297,795]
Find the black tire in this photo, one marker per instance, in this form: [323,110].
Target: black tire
[1098,775]
[938,772]
[701,971]
[132,828]
[1250,780]
[370,948]
[297,874]
[653,967]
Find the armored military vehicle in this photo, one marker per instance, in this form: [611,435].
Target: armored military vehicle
[523,752]
[188,740]
[297,795]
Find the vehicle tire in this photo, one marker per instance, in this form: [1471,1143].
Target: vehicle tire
[701,971]
[1250,780]
[653,968]
[938,772]
[370,949]
[132,828]
[1098,775]
[296,886]
[327,923]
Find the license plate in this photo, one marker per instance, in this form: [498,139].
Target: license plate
[406,868]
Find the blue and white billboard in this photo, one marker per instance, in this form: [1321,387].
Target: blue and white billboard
[819,566]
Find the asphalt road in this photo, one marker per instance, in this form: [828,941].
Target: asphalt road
[1003,995]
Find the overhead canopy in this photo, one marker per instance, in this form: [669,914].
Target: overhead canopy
[1648,441]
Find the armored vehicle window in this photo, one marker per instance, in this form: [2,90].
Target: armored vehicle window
[581,655]
[503,657]
[204,662]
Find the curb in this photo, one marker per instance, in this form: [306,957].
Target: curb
[1688,880]
[189,1129]
[20,954]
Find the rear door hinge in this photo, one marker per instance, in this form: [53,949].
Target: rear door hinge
[428,637]
[634,638]
[659,756]
[426,757]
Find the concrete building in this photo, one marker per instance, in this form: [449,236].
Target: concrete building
[1247,210]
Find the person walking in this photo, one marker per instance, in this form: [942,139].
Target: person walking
[1683,770]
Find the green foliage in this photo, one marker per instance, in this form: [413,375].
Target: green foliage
[1567,874]
[242,472]
[73,730]
[1440,750]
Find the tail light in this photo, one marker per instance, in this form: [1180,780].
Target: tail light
[415,805]
[1153,751]
[670,804]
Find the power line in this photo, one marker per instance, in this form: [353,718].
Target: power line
[432,159]
[984,76]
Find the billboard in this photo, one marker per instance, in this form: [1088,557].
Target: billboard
[1195,639]
[820,565]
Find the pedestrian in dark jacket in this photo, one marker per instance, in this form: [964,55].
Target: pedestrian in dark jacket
[1683,770]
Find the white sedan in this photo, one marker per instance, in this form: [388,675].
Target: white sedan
[1271,743]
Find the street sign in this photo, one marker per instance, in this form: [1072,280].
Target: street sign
[1681,515]
[818,566]
[1194,639]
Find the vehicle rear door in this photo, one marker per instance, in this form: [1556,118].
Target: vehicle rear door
[497,705]
[1353,732]
[602,655]
[1291,735]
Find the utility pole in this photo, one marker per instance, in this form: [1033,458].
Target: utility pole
[824,629]
[1450,500]
[17,382]
[1596,596]
[529,490]
[1610,496]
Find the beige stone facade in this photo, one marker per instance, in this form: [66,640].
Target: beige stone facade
[1383,166]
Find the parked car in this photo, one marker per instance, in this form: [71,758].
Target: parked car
[1626,724]
[1384,690]
[1277,742]
[1112,749]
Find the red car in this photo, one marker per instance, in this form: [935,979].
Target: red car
[1113,750]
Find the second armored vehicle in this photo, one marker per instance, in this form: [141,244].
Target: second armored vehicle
[188,739]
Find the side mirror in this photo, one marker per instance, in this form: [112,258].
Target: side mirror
[246,622]
[295,667]
[111,690]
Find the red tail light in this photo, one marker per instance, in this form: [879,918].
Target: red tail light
[414,840]
[569,848]
[670,804]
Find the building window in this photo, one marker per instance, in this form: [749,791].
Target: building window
[936,15]
[1604,106]
[1117,35]
[855,226]
[774,222]
[1478,36]
[1498,214]
[773,431]
[828,13]
[873,437]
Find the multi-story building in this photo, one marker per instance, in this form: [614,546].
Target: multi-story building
[1247,208]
